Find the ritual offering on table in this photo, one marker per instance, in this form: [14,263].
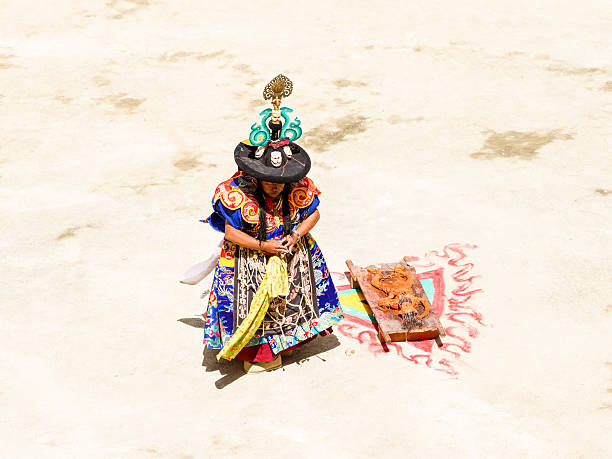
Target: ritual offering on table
[398,302]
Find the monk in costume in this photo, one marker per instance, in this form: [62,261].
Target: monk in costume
[272,290]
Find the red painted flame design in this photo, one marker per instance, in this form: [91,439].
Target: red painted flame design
[461,320]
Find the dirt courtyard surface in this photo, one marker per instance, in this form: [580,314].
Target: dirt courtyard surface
[473,136]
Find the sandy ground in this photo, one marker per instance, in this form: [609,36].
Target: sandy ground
[428,123]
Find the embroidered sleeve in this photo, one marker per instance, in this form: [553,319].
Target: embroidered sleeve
[303,193]
[304,197]
[224,214]
[306,211]
[233,203]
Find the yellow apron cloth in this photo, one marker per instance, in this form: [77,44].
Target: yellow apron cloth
[275,283]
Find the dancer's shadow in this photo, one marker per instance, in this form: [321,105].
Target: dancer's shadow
[195,322]
[232,371]
[312,349]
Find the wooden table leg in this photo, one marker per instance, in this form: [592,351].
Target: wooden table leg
[353,271]
[383,335]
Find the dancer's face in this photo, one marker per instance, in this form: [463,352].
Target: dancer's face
[272,189]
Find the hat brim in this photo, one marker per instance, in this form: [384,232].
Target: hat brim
[291,170]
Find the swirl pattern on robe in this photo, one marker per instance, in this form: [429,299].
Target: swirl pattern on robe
[238,193]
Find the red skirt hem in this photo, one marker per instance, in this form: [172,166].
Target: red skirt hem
[263,352]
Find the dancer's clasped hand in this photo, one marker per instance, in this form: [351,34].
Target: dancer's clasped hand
[289,241]
[274,246]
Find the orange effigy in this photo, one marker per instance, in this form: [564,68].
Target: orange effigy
[398,285]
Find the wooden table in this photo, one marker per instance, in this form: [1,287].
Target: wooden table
[391,326]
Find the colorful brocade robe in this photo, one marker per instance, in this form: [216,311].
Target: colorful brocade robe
[312,305]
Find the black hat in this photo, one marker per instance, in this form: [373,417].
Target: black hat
[270,153]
